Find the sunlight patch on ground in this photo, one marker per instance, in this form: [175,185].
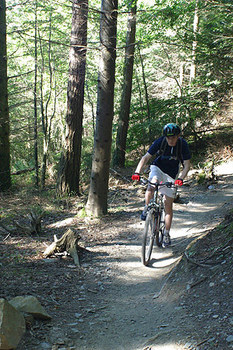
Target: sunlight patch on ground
[199,206]
[138,225]
[167,346]
[179,231]
[165,263]
[224,169]
[163,344]
[135,269]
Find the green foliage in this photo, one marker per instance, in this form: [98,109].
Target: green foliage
[169,39]
[81,213]
[201,178]
[226,225]
[229,229]
[87,145]
[165,38]
[52,51]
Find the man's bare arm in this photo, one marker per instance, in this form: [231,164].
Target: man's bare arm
[185,170]
[142,163]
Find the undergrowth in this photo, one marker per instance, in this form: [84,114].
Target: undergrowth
[216,147]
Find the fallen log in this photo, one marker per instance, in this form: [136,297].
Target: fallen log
[67,243]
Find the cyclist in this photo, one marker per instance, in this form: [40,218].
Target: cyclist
[165,168]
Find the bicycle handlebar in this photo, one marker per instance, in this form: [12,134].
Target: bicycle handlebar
[157,185]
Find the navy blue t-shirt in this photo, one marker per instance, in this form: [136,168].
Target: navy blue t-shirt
[165,163]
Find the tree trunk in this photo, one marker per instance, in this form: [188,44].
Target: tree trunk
[35,105]
[47,114]
[193,62]
[123,123]
[140,113]
[195,30]
[151,137]
[5,179]
[97,198]
[70,178]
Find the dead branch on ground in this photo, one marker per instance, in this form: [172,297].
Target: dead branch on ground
[114,172]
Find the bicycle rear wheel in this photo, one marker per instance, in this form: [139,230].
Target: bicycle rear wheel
[148,237]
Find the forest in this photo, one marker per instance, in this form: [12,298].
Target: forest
[85,87]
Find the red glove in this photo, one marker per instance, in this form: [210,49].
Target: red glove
[179,182]
[136,177]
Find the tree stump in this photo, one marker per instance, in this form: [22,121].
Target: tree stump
[68,242]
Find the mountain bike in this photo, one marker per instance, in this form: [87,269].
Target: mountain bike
[155,221]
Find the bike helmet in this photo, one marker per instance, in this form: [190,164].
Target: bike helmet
[171,129]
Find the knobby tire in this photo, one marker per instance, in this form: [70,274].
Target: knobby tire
[160,228]
[148,237]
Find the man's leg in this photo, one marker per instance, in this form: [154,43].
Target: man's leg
[168,205]
[148,196]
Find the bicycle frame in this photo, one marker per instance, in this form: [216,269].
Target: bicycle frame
[155,222]
[157,201]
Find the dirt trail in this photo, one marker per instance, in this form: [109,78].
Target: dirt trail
[115,302]
[133,308]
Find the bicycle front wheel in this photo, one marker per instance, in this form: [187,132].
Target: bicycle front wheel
[148,237]
[159,228]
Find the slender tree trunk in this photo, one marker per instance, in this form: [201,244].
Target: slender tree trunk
[97,199]
[47,116]
[75,93]
[123,123]
[151,137]
[5,179]
[35,105]
[181,79]
[140,114]
[180,87]
[195,31]
[193,62]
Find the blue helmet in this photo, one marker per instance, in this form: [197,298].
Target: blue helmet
[171,129]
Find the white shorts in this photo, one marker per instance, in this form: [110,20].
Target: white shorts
[162,177]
